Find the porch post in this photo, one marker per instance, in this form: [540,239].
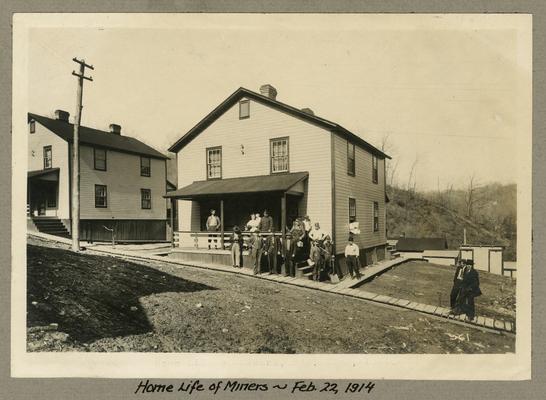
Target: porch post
[222,224]
[172,221]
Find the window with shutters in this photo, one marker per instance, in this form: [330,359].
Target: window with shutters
[101,196]
[279,155]
[145,199]
[375,173]
[48,157]
[99,156]
[351,170]
[214,163]
[352,210]
[145,166]
[375,216]
[244,109]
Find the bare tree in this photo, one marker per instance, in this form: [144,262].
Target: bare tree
[391,166]
[472,199]
[412,177]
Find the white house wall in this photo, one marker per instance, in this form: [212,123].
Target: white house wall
[362,188]
[123,182]
[60,159]
[309,150]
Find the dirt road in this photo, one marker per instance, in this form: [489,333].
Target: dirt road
[105,304]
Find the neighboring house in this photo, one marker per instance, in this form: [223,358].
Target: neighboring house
[253,152]
[414,247]
[486,258]
[122,182]
[442,257]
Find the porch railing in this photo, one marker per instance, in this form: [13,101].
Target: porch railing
[202,240]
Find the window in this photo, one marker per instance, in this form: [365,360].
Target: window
[350,158]
[279,155]
[99,156]
[51,201]
[375,216]
[146,199]
[375,175]
[214,163]
[352,210]
[244,109]
[32,126]
[48,157]
[145,166]
[101,196]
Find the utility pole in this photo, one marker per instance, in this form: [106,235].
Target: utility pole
[75,155]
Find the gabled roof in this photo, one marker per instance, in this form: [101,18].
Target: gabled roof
[95,137]
[293,111]
[421,244]
[248,184]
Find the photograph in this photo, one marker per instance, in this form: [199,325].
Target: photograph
[272,186]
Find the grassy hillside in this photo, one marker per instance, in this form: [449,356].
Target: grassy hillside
[487,212]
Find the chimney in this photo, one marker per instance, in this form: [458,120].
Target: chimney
[115,129]
[268,91]
[62,115]
[308,111]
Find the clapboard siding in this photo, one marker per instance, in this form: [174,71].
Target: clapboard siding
[123,182]
[309,150]
[125,230]
[59,150]
[364,191]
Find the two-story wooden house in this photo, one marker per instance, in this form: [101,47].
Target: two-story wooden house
[122,182]
[253,152]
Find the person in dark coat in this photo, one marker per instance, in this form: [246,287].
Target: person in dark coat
[268,254]
[236,247]
[470,289]
[457,282]
[255,248]
[297,253]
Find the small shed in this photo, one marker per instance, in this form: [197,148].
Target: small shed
[442,257]
[414,247]
[486,258]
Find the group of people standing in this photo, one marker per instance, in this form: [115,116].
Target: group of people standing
[304,243]
[466,286]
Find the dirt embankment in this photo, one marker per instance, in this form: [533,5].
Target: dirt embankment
[103,303]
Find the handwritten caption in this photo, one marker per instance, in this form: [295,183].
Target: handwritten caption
[195,386]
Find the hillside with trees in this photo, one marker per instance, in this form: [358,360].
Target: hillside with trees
[487,212]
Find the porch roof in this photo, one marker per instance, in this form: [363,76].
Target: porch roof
[43,173]
[247,184]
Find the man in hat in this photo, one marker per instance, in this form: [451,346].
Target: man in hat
[352,257]
[266,223]
[236,247]
[470,288]
[255,248]
[457,282]
[212,225]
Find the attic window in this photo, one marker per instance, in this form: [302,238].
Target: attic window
[244,109]
[32,126]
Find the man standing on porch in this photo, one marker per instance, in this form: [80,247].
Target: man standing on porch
[213,224]
[266,223]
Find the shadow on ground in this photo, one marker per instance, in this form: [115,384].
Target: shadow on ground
[93,297]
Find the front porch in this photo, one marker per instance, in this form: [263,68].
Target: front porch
[234,200]
[43,193]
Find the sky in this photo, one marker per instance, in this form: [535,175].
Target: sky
[446,93]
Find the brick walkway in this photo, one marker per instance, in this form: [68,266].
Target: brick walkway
[345,287]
